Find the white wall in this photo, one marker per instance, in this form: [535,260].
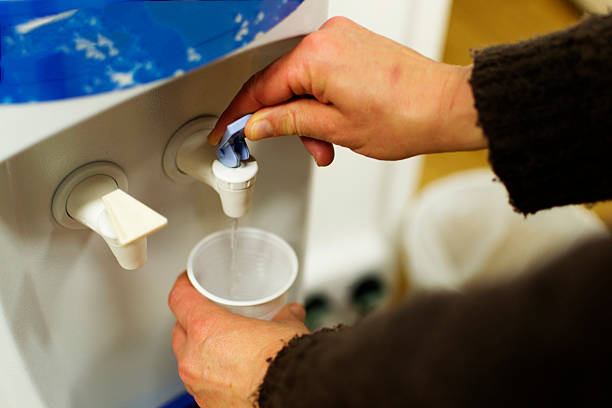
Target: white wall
[420,24]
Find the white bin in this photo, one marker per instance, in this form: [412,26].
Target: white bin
[462,230]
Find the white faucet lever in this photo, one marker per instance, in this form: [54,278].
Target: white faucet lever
[131,218]
[92,197]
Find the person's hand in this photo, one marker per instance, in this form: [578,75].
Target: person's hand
[348,86]
[222,357]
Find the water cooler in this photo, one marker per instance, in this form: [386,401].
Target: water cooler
[76,328]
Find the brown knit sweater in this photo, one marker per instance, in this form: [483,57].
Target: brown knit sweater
[546,108]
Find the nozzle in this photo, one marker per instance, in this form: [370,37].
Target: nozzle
[235,186]
[189,156]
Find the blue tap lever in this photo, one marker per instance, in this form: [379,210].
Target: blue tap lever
[232,148]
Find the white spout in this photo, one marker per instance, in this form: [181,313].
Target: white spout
[235,186]
[189,154]
[96,202]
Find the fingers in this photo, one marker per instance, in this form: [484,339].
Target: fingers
[302,117]
[189,305]
[292,314]
[294,74]
[299,72]
[270,86]
[315,122]
[322,152]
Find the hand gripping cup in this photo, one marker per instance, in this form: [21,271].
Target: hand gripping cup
[255,283]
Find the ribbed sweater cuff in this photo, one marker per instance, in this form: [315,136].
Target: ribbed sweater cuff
[546,108]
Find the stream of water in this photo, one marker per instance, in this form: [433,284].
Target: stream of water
[235,275]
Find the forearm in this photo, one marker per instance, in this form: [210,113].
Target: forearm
[538,341]
[546,108]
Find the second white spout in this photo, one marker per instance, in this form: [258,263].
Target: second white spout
[91,197]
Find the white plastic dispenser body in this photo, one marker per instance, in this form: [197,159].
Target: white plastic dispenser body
[189,156]
[91,197]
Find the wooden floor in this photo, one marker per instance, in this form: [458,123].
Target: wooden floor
[477,23]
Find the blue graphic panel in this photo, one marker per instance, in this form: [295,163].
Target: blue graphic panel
[58,49]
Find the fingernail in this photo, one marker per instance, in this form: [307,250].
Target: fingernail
[298,311]
[260,130]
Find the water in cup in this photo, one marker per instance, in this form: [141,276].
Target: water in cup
[257,284]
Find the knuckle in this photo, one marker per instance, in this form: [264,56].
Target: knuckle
[187,371]
[290,122]
[176,298]
[250,88]
[313,40]
[336,21]
[250,83]
[173,297]
[319,47]
[297,74]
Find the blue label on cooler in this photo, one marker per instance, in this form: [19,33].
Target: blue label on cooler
[53,50]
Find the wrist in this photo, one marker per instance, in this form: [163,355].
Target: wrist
[462,131]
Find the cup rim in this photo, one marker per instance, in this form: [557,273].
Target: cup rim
[229,302]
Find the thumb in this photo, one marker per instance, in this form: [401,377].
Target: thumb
[292,314]
[316,122]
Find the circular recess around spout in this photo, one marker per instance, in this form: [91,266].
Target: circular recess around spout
[201,124]
[63,190]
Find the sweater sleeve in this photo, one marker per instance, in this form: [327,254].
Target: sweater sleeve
[540,341]
[545,106]
[543,340]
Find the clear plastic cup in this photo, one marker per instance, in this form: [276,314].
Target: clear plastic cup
[265,269]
